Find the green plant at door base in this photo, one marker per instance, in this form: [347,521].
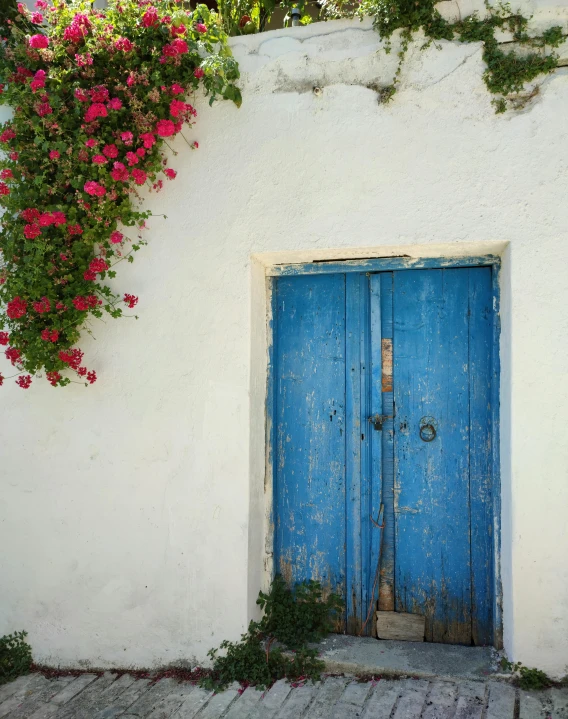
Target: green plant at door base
[292,617]
[527,678]
[15,656]
[507,71]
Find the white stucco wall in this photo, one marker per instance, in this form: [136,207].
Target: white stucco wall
[132,511]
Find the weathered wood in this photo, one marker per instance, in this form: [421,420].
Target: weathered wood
[401,625]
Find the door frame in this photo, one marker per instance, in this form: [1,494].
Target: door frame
[384,265]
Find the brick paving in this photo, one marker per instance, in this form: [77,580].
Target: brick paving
[336,697]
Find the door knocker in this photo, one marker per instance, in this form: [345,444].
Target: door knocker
[428,429]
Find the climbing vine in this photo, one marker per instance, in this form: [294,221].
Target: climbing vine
[507,71]
[95,98]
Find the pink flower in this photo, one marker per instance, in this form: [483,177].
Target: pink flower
[177,89]
[6,174]
[119,173]
[139,176]
[97,109]
[84,60]
[41,4]
[91,142]
[123,44]
[132,158]
[110,151]
[198,73]
[140,152]
[127,138]
[58,218]
[200,27]
[130,80]
[171,174]
[116,237]
[150,17]
[7,135]
[147,138]
[178,29]
[39,42]
[4,189]
[99,159]
[194,145]
[165,128]
[39,80]
[93,188]
[115,103]
[54,155]
[37,18]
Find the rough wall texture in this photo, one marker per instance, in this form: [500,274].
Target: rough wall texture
[132,512]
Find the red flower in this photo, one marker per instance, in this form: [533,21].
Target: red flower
[99,159]
[58,218]
[24,381]
[42,306]
[177,108]
[37,18]
[91,142]
[119,173]
[93,188]
[16,308]
[4,338]
[110,151]
[39,81]
[180,46]
[7,135]
[177,89]
[81,95]
[130,300]
[132,158]
[97,109]
[53,377]
[38,41]
[97,264]
[73,33]
[31,231]
[165,128]
[81,303]
[74,230]
[148,139]
[140,152]
[91,377]
[150,17]
[73,358]
[171,174]
[127,138]
[178,29]
[13,355]
[116,237]
[139,176]
[6,174]
[115,103]
[4,189]
[31,214]
[50,335]
[123,44]
[44,108]
[54,155]
[198,73]
[200,27]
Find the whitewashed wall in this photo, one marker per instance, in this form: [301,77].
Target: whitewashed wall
[132,517]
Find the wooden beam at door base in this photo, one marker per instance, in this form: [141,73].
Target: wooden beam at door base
[401,626]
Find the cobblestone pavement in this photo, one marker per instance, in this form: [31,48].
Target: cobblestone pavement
[104,697]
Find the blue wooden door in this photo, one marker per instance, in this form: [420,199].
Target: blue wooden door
[394,512]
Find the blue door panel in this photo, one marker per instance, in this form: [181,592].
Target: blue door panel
[309,432]
[396,514]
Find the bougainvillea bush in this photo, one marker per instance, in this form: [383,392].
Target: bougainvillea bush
[96,95]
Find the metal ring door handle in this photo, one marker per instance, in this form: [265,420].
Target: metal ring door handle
[427,432]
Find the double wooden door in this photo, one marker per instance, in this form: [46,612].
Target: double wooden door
[382,444]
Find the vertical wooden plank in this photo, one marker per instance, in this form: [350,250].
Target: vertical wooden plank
[496,462]
[383,347]
[309,410]
[480,360]
[368,566]
[353,452]
[432,534]
[376,407]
